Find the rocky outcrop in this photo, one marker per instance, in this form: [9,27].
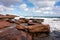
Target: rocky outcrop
[22,29]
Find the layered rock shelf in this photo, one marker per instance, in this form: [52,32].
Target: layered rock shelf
[22,29]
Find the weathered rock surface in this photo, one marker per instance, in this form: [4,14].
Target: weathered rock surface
[22,29]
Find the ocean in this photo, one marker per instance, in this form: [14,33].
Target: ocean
[54,25]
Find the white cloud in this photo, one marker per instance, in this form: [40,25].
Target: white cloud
[9,9]
[4,8]
[43,3]
[10,2]
[36,10]
[43,6]
[1,13]
[46,8]
[12,6]
[48,12]
[56,9]
[24,7]
[1,8]
[13,13]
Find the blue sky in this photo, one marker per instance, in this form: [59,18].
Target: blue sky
[30,7]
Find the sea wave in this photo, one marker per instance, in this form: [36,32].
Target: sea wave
[54,25]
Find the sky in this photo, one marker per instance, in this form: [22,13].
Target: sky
[30,7]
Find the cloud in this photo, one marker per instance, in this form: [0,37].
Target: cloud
[56,9]
[35,10]
[24,7]
[12,6]
[10,2]
[40,6]
[13,13]
[10,9]
[1,9]
[4,8]
[38,11]
[43,3]
[44,6]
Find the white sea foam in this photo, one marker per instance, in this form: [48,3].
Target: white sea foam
[54,25]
